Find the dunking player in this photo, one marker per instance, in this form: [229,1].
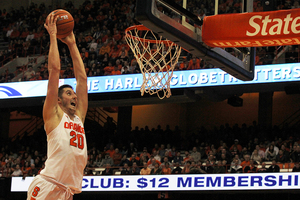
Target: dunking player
[64,114]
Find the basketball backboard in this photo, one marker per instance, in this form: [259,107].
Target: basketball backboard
[177,21]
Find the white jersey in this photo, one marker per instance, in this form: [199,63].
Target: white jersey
[67,153]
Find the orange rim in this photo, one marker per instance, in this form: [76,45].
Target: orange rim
[144,28]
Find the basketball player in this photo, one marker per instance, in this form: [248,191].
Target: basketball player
[64,114]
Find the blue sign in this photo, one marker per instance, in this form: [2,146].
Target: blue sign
[180,79]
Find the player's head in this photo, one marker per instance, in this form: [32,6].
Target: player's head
[67,98]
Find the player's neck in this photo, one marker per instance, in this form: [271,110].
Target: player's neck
[69,112]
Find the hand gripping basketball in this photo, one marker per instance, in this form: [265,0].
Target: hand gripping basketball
[50,25]
[64,24]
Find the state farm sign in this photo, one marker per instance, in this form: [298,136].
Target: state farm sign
[252,29]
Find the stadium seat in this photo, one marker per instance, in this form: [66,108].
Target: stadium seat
[285,170]
[289,165]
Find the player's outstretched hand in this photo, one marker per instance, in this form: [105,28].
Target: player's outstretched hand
[69,40]
[51,24]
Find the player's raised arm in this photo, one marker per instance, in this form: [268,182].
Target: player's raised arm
[80,75]
[51,103]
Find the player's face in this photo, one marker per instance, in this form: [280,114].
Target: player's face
[69,99]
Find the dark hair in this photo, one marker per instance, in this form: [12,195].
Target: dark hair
[61,88]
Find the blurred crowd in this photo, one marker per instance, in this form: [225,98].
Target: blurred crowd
[100,29]
[227,149]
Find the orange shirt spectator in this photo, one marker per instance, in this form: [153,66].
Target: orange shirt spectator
[149,162]
[108,69]
[184,65]
[117,156]
[123,49]
[116,71]
[104,49]
[114,53]
[145,170]
[117,36]
[166,169]
[194,64]
[111,152]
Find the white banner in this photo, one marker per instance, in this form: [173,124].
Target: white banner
[255,181]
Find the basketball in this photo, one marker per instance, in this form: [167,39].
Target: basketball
[64,24]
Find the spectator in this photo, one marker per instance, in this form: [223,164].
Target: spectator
[295,155]
[108,69]
[208,167]
[246,161]
[29,73]
[156,170]
[151,163]
[195,154]
[17,171]
[261,153]
[276,149]
[255,156]
[108,170]
[237,145]
[244,152]
[111,151]
[263,168]
[156,156]
[280,158]
[251,168]
[15,33]
[236,168]
[125,170]
[68,73]
[117,156]
[135,170]
[98,160]
[166,169]
[30,36]
[194,64]
[32,171]
[274,167]
[116,71]
[145,170]
[124,160]
[36,77]
[296,168]
[177,169]
[219,169]
[104,49]
[270,153]
[134,158]
[166,161]
[107,160]
[186,168]
[234,151]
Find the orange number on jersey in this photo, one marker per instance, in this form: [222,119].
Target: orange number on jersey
[72,140]
[80,141]
[35,191]
[79,138]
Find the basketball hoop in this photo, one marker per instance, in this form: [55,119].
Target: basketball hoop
[156,58]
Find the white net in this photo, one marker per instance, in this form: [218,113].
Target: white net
[156,58]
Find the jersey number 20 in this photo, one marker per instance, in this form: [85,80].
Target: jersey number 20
[79,143]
